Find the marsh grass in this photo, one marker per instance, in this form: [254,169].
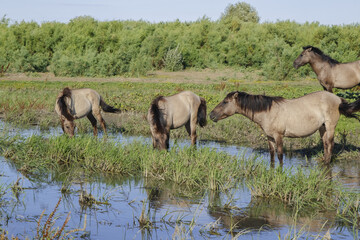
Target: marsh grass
[20,106]
[194,169]
[144,218]
[48,229]
[349,211]
[299,188]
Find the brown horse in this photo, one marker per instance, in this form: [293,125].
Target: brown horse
[165,113]
[299,117]
[330,73]
[78,103]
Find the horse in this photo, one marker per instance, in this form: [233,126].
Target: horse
[165,113]
[73,104]
[294,118]
[330,73]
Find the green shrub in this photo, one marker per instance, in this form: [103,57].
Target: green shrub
[173,60]
[87,47]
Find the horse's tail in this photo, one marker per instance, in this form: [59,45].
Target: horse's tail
[66,93]
[156,115]
[348,109]
[108,108]
[201,116]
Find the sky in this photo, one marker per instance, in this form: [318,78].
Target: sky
[326,12]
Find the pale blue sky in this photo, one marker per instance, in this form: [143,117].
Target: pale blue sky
[327,12]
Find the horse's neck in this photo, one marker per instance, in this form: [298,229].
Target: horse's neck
[320,67]
[256,117]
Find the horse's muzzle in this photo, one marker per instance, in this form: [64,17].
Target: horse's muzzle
[213,117]
[296,65]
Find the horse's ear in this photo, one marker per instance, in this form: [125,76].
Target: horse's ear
[236,94]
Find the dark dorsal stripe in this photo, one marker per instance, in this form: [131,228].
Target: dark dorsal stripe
[323,56]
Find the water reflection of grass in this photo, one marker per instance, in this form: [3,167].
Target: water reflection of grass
[202,169]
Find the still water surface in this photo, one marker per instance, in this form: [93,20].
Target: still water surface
[170,212]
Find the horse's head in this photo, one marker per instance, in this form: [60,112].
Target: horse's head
[225,108]
[69,127]
[304,57]
[160,141]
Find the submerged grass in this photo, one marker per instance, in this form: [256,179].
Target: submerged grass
[202,169]
[300,188]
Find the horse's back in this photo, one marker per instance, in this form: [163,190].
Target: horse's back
[346,75]
[303,116]
[180,107]
[82,101]
[316,103]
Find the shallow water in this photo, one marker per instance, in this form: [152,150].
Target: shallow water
[169,211]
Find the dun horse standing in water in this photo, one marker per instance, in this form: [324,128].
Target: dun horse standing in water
[299,117]
[330,73]
[165,113]
[78,103]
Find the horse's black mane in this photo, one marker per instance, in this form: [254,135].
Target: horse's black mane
[255,103]
[156,115]
[322,55]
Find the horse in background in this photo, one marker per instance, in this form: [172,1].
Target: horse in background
[294,118]
[330,73]
[73,104]
[165,113]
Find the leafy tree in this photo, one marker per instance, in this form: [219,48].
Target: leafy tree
[237,13]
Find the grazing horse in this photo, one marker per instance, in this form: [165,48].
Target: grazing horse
[73,104]
[165,113]
[330,73]
[294,118]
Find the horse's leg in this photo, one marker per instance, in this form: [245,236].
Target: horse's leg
[193,120]
[329,139]
[167,139]
[97,114]
[322,131]
[326,87]
[187,126]
[271,142]
[279,148]
[93,123]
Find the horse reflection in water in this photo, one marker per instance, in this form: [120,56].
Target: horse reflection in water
[261,214]
[258,214]
[294,118]
[73,104]
[165,113]
[330,73]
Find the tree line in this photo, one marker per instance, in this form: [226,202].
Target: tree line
[87,47]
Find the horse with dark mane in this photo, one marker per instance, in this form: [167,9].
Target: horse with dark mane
[330,73]
[294,118]
[73,104]
[165,113]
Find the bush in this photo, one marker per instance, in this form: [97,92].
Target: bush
[173,60]
[87,47]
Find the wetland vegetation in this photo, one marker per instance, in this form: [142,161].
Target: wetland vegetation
[196,172]
[105,187]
